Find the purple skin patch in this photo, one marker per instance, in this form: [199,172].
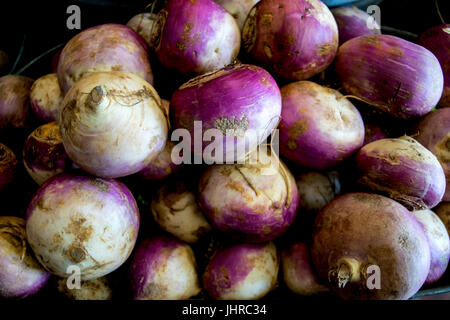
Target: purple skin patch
[417,183]
[352,23]
[148,259]
[107,47]
[196,36]
[437,40]
[228,267]
[296,39]
[239,98]
[433,132]
[390,73]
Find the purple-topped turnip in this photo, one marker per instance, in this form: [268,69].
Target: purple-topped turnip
[143,24]
[319,127]
[439,242]
[20,274]
[164,268]
[437,40]
[373,133]
[240,105]
[298,272]
[8,165]
[44,155]
[84,222]
[367,246]
[175,209]
[112,124]
[295,39]
[399,77]
[46,97]
[95,289]
[253,202]
[107,47]
[239,9]
[242,272]
[195,37]
[15,101]
[404,170]
[433,132]
[352,22]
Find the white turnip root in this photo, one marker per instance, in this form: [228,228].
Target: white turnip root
[46,97]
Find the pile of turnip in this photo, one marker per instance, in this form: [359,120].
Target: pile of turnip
[251,178]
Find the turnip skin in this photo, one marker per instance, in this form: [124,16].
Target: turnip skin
[357,230]
[437,40]
[218,100]
[352,23]
[96,289]
[242,272]
[439,242]
[396,76]
[164,268]
[195,37]
[15,101]
[162,166]
[8,166]
[239,9]
[433,132]
[373,133]
[21,275]
[46,97]
[295,39]
[298,272]
[176,210]
[94,225]
[107,47]
[112,124]
[253,202]
[143,24]
[319,127]
[404,170]
[44,155]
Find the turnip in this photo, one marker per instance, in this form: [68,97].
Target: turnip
[107,47]
[317,189]
[164,268]
[242,272]
[44,155]
[352,22]
[298,272]
[143,24]
[55,60]
[443,212]
[319,127]
[195,37]
[46,97]
[162,166]
[437,40]
[404,170]
[398,77]
[112,124]
[367,246]
[8,165]
[373,133]
[15,101]
[96,289]
[240,103]
[295,39]
[239,9]
[253,202]
[175,209]
[433,132]
[20,274]
[439,242]
[86,223]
